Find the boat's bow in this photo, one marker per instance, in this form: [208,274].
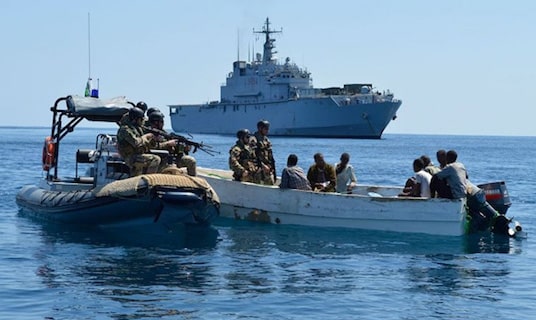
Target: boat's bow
[177,197]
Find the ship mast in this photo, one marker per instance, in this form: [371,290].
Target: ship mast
[267,56]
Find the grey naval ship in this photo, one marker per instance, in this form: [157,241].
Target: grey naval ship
[283,94]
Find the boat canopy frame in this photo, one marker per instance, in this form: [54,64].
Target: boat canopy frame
[76,109]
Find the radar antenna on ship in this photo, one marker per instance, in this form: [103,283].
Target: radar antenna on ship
[268,43]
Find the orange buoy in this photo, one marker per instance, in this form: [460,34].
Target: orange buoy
[49,151]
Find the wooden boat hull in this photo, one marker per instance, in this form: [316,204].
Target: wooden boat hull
[370,207]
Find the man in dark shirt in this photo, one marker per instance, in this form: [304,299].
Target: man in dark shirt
[293,176]
[322,175]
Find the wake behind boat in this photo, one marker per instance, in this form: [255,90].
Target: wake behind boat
[284,95]
[106,195]
[367,207]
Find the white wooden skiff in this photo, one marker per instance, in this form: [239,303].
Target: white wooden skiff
[368,207]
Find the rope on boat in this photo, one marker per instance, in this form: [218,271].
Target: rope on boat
[175,181]
[124,188]
[132,186]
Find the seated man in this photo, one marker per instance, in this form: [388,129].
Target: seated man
[140,105]
[293,176]
[133,145]
[439,187]
[322,175]
[421,182]
[178,151]
[346,179]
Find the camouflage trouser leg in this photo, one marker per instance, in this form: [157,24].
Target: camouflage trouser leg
[190,164]
[163,165]
[255,177]
[143,163]
[268,179]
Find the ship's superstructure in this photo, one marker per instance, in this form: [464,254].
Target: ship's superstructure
[283,94]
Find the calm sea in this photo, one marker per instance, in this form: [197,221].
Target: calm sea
[249,271]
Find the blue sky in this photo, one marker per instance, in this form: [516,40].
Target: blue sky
[460,67]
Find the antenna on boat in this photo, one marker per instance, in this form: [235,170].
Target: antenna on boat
[89,44]
[90,91]
[87,92]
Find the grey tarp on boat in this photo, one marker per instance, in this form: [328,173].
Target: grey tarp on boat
[95,109]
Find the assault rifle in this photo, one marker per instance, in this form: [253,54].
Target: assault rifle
[181,139]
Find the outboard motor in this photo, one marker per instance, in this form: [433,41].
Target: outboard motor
[497,196]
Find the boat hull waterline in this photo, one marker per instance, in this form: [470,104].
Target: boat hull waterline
[370,207]
[165,206]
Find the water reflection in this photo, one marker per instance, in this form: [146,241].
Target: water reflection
[184,236]
[126,259]
[443,280]
[247,260]
[445,274]
[490,243]
[303,260]
[126,273]
[250,236]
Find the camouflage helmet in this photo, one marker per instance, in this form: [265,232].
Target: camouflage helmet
[263,124]
[142,105]
[156,116]
[135,113]
[242,133]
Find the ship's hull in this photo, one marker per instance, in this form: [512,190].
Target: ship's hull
[310,117]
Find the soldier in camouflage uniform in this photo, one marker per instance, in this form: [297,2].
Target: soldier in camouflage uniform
[178,150]
[133,144]
[124,119]
[242,159]
[263,151]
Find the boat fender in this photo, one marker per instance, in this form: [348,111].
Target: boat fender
[49,151]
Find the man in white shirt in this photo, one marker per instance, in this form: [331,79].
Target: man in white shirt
[420,183]
[346,179]
[422,178]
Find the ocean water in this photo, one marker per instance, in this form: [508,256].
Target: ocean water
[240,270]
